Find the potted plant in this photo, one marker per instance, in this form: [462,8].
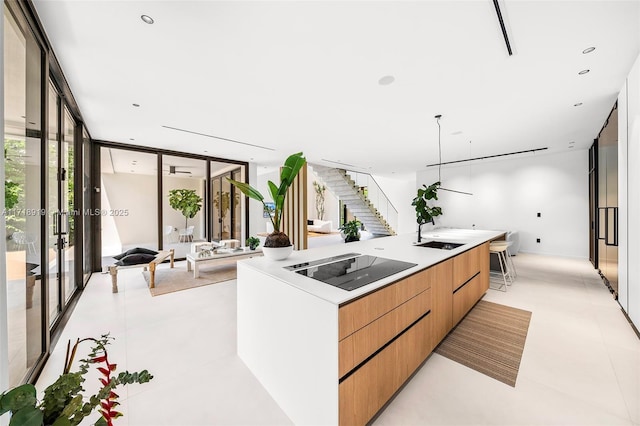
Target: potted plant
[253,242]
[186,201]
[277,244]
[351,230]
[424,212]
[63,404]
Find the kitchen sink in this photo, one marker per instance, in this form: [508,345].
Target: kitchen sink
[443,245]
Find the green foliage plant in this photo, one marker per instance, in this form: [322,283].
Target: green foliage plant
[288,172]
[63,403]
[186,201]
[351,230]
[253,242]
[426,213]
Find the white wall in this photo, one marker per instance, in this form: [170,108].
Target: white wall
[331,203]
[136,194]
[508,194]
[628,196]
[401,191]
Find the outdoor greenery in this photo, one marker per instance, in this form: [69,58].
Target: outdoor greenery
[186,201]
[222,202]
[63,403]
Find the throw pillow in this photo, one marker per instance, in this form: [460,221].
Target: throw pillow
[135,259]
[136,250]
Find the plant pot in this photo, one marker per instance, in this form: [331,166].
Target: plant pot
[351,239]
[277,253]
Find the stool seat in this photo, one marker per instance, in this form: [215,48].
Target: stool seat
[499,248]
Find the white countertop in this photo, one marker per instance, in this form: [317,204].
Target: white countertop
[398,247]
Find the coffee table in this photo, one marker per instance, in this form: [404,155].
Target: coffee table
[194,260]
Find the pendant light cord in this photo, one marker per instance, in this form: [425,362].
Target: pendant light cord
[439,148]
[440,161]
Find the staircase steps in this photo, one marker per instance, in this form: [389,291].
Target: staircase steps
[346,190]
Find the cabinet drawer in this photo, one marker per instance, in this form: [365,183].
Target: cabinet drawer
[356,347]
[355,315]
[465,266]
[466,297]
[363,393]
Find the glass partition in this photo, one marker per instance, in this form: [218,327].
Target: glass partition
[226,203]
[183,203]
[23,198]
[129,207]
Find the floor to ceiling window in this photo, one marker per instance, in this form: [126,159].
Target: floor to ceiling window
[183,202]
[129,208]
[23,198]
[226,202]
[191,196]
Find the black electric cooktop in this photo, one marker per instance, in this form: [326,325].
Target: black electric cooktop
[350,271]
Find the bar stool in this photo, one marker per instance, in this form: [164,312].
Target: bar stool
[511,267]
[501,251]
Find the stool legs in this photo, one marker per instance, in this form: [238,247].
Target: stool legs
[502,269]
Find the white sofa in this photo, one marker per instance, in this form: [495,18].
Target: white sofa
[320,226]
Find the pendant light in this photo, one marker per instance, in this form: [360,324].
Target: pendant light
[438,117]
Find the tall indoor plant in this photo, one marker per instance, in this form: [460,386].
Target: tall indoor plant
[288,172]
[186,201]
[424,212]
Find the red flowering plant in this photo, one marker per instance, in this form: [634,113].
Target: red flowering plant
[63,404]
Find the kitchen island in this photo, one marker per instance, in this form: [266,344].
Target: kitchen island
[331,356]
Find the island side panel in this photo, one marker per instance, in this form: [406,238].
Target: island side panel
[289,340]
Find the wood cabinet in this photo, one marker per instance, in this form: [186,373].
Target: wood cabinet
[364,392]
[386,335]
[442,290]
[383,338]
[466,293]
[357,314]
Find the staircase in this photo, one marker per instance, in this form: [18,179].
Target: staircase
[362,196]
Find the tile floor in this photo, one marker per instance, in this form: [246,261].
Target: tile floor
[581,362]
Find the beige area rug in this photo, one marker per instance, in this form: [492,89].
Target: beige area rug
[320,234]
[490,339]
[177,279]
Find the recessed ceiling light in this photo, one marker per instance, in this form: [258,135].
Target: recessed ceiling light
[386,80]
[132,171]
[583,72]
[206,150]
[572,142]
[147,19]
[136,105]
[577,104]
[571,147]
[131,139]
[588,50]
[458,132]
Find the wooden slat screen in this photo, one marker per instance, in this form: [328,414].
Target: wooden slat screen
[294,217]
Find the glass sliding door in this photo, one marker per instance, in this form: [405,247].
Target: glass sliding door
[61,210]
[183,203]
[128,198]
[53,138]
[226,202]
[23,207]
[86,206]
[66,228]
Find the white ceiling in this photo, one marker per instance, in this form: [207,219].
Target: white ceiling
[303,76]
